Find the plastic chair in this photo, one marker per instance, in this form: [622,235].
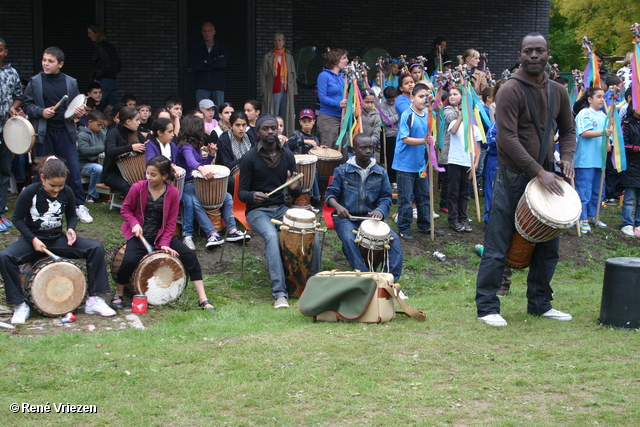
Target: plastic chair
[239,213]
[327,216]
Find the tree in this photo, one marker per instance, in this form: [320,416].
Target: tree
[607,23]
[562,42]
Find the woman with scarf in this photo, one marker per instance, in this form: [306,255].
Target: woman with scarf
[233,144]
[278,83]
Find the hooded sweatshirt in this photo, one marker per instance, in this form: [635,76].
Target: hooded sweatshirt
[90,144]
[518,142]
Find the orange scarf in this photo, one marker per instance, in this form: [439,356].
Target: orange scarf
[279,54]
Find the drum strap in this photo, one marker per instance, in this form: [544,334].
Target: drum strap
[544,139]
[409,311]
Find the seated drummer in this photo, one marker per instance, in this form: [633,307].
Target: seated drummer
[264,168]
[150,210]
[38,216]
[360,175]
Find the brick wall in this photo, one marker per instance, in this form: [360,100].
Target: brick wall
[17,30]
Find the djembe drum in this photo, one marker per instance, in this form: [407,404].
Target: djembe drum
[306,164]
[132,166]
[212,192]
[328,161]
[297,236]
[53,287]
[373,238]
[541,216]
[180,173]
[159,276]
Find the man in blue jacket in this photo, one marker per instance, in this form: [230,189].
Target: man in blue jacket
[360,187]
[209,62]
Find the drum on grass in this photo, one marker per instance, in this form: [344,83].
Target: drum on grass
[132,166]
[306,164]
[78,101]
[53,288]
[212,192]
[373,238]
[328,161]
[159,276]
[180,173]
[541,216]
[19,135]
[297,236]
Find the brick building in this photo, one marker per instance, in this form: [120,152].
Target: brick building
[154,39]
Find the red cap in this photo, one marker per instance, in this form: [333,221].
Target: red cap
[307,113]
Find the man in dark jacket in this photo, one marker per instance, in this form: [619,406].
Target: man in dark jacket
[209,62]
[519,149]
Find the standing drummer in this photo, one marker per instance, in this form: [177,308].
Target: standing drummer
[10,100]
[519,151]
[56,135]
[361,187]
[264,168]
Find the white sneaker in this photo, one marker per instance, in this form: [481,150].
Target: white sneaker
[214,240]
[628,230]
[493,320]
[188,242]
[435,216]
[415,213]
[20,314]
[83,214]
[281,302]
[99,306]
[557,315]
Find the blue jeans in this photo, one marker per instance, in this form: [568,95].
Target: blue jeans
[413,188]
[631,202]
[192,207]
[109,91]
[588,187]
[227,213]
[217,96]
[344,228]
[260,220]
[94,172]
[497,240]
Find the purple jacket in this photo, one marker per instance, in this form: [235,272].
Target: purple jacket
[189,159]
[153,150]
[134,205]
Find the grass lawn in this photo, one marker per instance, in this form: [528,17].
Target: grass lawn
[250,365]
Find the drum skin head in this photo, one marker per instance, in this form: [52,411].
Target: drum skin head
[19,135]
[326,153]
[78,101]
[375,228]
[161,277]
[563,211]
[57,288]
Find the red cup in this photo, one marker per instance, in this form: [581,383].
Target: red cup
[139,304]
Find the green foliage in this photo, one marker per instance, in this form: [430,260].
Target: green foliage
[565,51]
[606,23]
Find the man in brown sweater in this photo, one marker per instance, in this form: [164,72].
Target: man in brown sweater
[519,153]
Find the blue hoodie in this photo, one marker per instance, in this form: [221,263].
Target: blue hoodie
[330,92]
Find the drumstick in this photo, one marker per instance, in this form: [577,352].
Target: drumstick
[361,217]
[286,184]
[146,244]
[64,98]
[51,254]
[573,184]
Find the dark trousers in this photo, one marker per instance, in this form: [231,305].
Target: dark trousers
[5,174]
[390,149]
[115,181]
[135,251]
[458,195]
[22,251]
[496,243]
[60,144]
[443,179]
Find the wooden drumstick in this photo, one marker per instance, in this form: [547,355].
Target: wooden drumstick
[276,222]
[286,184]
[361,217]
[51,254]
[64,98]
[146,244]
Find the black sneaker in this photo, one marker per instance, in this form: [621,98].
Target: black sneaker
[407,236]
[237,235]
[466,226]
[456,226]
